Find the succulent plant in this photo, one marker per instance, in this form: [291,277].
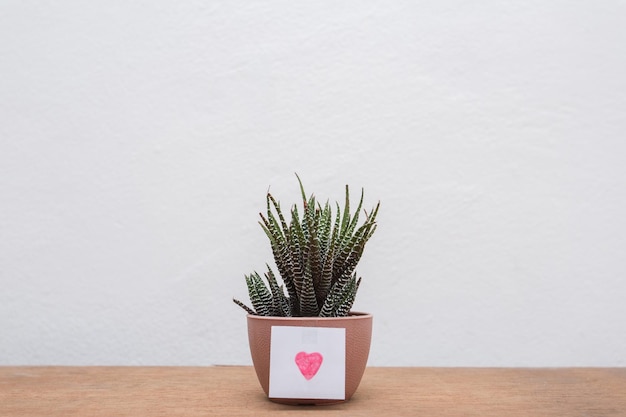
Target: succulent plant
[316,255]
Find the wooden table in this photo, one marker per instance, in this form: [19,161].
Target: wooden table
[384,392]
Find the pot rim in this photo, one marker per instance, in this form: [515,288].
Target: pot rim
[354,315]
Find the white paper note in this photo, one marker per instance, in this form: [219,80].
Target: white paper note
[308,363]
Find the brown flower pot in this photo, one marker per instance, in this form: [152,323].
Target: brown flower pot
[358,337]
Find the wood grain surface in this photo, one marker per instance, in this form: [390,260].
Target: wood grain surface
[384,392]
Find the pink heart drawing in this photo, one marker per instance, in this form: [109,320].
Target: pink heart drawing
[309,363]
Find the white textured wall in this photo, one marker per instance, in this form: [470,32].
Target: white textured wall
[137,141]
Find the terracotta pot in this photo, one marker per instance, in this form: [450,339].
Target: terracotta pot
[358,337]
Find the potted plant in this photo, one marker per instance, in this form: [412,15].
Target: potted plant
[307,346]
